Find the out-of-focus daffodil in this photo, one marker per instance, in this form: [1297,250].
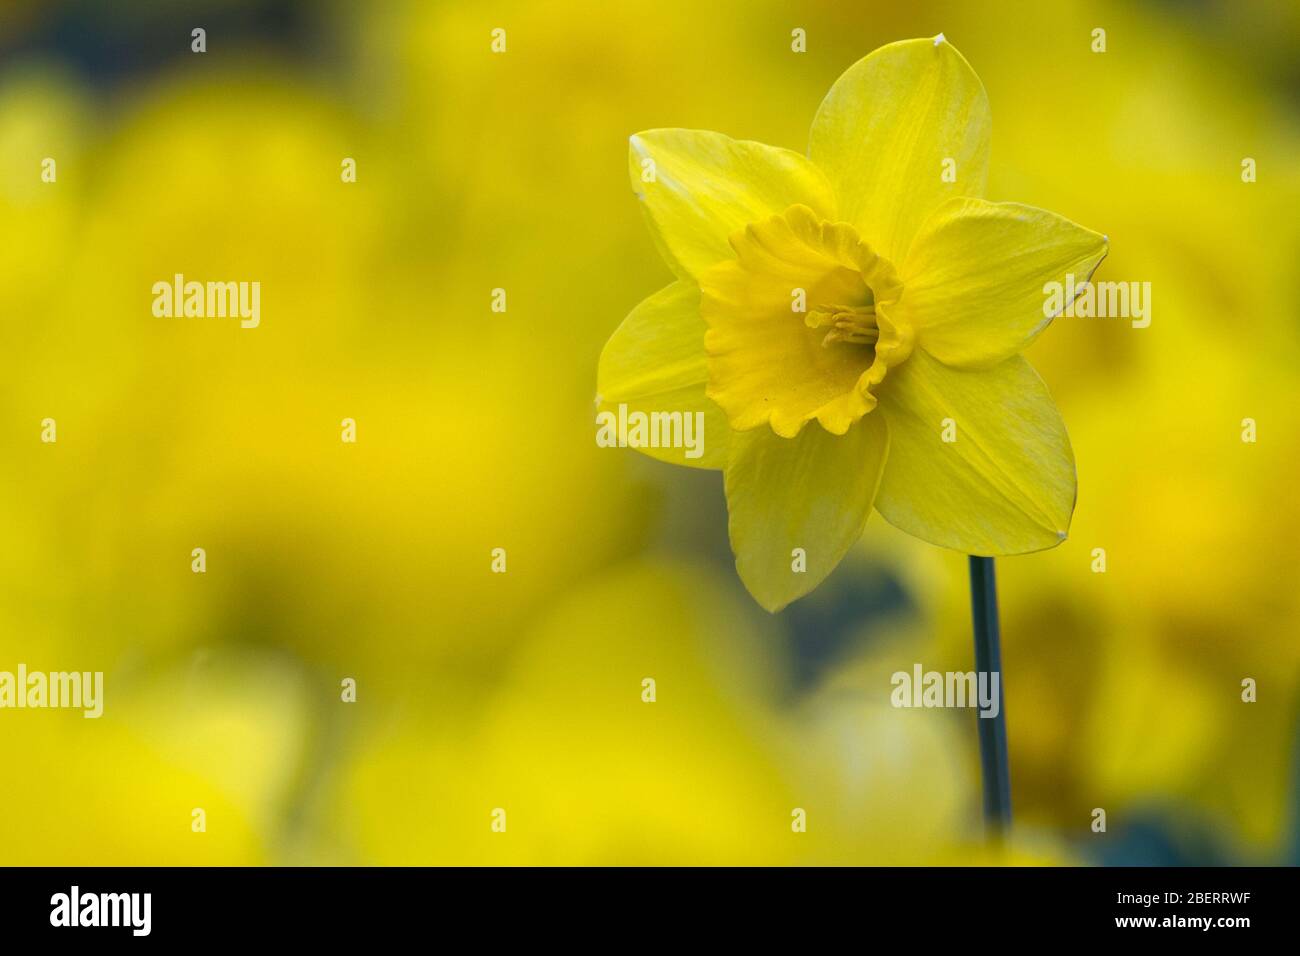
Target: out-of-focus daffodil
[869,288]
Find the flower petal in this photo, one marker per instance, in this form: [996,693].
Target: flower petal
[974,280]
[885,130]
[1005,485]
[766,363]
[812,492]
[706,185]
[655,362]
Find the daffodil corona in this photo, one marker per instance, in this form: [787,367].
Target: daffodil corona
[849,326]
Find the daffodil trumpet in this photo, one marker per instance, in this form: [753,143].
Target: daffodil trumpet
[849,323]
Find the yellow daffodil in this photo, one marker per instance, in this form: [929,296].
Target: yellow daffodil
[847,326]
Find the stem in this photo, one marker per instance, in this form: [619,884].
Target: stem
[996,771]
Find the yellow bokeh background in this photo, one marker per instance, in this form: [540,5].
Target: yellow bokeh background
[523,691]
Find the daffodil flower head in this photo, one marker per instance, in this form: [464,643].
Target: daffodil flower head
[849,325]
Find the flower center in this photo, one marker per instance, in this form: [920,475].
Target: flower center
[850,324]
[773,360]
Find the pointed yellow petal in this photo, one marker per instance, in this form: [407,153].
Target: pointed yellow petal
[698,187]
[812,492]
[886,132]
[654,362]
[1004,485]
[974,280]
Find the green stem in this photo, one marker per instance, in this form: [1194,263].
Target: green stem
[996,771]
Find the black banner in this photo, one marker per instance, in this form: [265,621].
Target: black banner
[982,906]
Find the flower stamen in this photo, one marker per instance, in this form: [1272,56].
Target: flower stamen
[850,324]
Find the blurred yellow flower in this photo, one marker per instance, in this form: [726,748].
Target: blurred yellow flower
[908,293]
